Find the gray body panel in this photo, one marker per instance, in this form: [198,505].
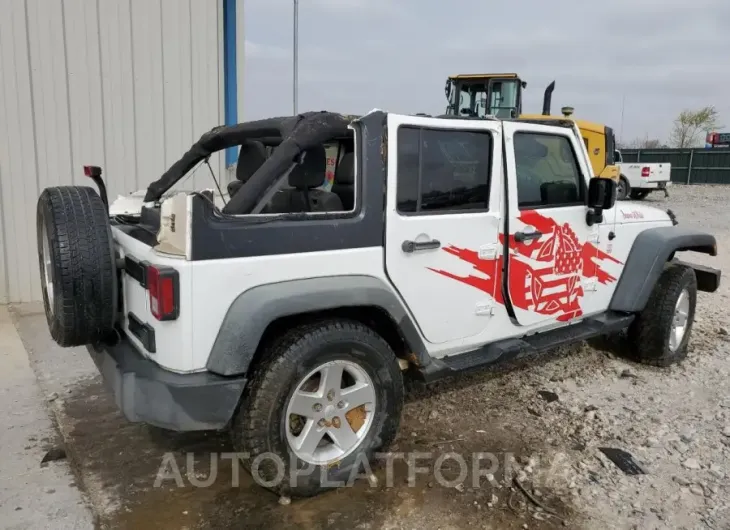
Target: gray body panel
[649,254]
[145,392]
[252,312]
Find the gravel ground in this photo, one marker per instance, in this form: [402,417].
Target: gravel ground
[550,414]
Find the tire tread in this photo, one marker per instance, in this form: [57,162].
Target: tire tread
[648,332]
[83,264]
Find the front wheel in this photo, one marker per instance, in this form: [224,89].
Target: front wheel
[660,333]
[324,399]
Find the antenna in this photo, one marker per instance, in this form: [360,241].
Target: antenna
[621,129]
[295,61]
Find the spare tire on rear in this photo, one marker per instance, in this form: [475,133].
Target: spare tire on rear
[77,265]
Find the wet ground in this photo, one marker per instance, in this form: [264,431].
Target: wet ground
[119,462]
[123,461]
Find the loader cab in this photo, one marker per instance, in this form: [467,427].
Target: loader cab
[599,139]
[480,95]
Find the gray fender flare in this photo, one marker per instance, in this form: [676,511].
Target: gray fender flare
[253,310]
[648,256]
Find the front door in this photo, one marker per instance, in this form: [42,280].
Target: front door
[443,221]
[551,266]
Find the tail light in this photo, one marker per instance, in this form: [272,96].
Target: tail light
[645,171]
[163,286]
[92,171]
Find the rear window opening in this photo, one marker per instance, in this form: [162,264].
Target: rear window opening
[322,180]
[303,164]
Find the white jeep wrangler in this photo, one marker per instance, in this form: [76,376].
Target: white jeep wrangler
[290,311]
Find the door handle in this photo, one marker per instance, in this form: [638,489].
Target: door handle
[521,237]
[414,246]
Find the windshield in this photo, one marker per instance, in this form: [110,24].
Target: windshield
[504,98]
[477,100]
[472,100]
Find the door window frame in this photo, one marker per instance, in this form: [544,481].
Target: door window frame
[434,125]
[573,135]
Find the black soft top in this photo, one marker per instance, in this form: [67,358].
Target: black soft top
[292,134]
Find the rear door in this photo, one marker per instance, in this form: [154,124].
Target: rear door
[443,221]
[551,266]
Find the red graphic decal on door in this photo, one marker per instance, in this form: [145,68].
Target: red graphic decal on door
[544,275]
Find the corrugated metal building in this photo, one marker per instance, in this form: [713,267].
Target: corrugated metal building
[127,85]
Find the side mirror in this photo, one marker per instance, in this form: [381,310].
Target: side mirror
[601,196]
[601,193]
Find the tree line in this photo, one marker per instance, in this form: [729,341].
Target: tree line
[689,129]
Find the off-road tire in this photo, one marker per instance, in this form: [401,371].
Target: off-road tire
[259,425]
[622,195]
[82,265]
[649,333]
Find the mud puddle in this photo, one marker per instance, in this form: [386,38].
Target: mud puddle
[441,487]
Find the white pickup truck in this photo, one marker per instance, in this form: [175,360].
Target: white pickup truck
[640,178]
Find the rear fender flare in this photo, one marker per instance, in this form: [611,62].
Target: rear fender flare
[651,250]
[253,310]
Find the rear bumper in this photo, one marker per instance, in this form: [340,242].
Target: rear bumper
[657,185]
[145,392]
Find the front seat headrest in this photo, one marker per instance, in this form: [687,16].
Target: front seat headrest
[311,171]
[251,157]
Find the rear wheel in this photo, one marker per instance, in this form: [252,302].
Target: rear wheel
[77,265]
[324,399]
[622,189]
[661,332]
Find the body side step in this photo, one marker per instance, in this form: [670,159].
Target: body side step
[512,349]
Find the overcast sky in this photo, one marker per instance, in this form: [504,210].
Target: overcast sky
[356,55]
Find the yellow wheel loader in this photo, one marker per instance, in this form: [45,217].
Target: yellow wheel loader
[500,95]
